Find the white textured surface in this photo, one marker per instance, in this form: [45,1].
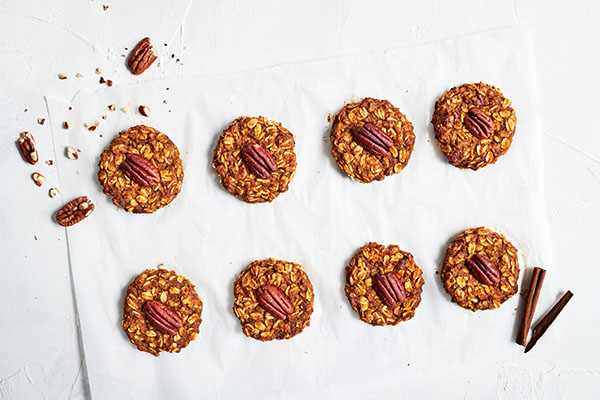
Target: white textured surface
[39,351]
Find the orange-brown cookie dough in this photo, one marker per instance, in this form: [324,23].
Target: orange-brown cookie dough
[172,291]
[291,280]
[462,147]
[460,283]
[375,260]
[159,150]
[234,174]
[354,159]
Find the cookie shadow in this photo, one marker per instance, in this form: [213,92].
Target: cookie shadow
[326,139]
[439,263]
[439,154]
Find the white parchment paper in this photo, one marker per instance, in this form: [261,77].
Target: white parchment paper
[209,236]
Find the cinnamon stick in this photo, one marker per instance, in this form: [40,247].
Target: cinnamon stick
[548,319]
[535,287]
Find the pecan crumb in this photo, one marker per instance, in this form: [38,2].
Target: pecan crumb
[49,162]
[38,178]
[105,7]
[65,124]
[112,107]
[109,83]
[125,109]
[92,128]
[102,80]
[71,153]
[62,76]
[41,121]
[98,71]
[145,111]
[104,117]
[78,75]
[53,192]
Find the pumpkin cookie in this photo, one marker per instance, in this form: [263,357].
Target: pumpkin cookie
[474,125]
[255,159]
[480,270]
[141,170]
[161,311]
[371,140]
[383,284]
[273,299]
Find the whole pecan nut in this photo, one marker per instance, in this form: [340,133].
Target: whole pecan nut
[162,317]
[389,289]
[479,123]
[27,147]
[372,139]
[140,169]
[274,301]
[74,211]
[142,56]
[258,160]
[480,266]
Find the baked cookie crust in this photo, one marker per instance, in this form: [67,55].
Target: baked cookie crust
[462,148]
[463,287]
[173,291]
[375,259]
[156,147]
[233,174]
[358,163]
[291,279]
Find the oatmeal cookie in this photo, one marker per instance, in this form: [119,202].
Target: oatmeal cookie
[255,159]
[178,304]
[273,299]
[371,140]
[474,125]
[369,265]
[141,170]
[480,270]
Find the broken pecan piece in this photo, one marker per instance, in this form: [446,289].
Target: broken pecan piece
[74,211]
[274,301]
[480,266]
[142,56]
[140,169]
[479,123]
[162,317]
[389,289]
[372,139]
[27,146]
[258,160]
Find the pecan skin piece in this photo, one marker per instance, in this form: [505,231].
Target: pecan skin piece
[372,139]
[162,317]
[258,160]
[274,301]
[479,123]
[27,147]
[140,169]
[480,266]
[389,289]
[74,211]
[142,56]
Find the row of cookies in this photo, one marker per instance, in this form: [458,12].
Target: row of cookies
[255,160]
[274,299]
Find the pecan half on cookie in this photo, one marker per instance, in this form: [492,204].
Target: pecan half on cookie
[273,299]
[480,270]
[474,125]
[161,311]
[371,140]
[255,160]
[141,169]
[383,284]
